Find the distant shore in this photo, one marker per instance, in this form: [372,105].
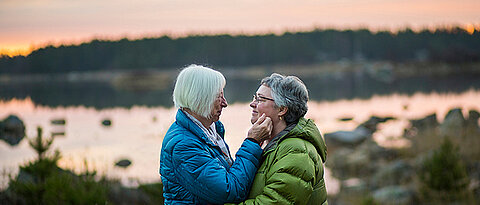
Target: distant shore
[380,68]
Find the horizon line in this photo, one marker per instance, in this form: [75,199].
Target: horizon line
[25,50]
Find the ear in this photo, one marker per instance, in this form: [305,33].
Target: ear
[283,111]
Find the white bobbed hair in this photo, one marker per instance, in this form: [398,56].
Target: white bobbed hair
[197,88]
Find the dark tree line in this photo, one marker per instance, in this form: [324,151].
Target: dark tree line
[442,45]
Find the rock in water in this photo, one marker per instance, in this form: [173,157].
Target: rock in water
[345,119]
[124,163]
[58,121]
[107,122]
[12,130]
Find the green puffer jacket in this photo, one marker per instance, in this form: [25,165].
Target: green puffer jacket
[292,168]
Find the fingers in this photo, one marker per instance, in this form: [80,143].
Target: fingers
[267,122]
[260,119]
[266,127]
[261,129]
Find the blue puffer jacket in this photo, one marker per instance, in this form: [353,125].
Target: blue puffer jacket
[193,170]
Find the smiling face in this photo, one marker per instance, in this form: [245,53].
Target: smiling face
[218,105]
[264,104]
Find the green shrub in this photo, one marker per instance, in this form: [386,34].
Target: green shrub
[368,200]
[43,182]
[444,176]
[61,188]
[154,191]
[40,145]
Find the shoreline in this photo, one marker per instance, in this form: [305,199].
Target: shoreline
[380,68]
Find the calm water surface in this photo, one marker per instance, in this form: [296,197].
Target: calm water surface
[136,133]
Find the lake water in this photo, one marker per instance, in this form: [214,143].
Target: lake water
[139,107]
[154,88]
[136,132]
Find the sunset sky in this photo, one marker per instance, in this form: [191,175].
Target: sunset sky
[29,24]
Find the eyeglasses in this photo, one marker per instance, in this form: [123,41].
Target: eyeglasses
[258,99]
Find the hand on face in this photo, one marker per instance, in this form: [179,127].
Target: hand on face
[261,129]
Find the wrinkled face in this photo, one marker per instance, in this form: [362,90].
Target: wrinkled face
[218,105]
[263,103]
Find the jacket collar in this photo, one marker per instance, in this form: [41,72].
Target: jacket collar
[304,129]
[187,123]
[273,143]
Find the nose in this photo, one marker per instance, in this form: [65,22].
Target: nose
[224,102]
[253,104]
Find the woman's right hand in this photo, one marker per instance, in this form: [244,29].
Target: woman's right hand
[261,129]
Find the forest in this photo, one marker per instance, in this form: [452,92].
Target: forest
[441,45]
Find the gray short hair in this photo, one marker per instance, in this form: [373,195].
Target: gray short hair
[197,88]
[288,92]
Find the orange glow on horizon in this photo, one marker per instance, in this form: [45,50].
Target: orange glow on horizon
[470,28]
[26,49]
[16,51]
[61,22]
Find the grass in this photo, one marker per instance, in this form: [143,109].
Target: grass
[443,177]
[441,160]
[424,141]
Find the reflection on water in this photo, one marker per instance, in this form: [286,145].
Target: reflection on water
[136,133]
[115,91]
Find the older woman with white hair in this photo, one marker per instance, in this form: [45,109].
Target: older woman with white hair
[293,157]
[195,162]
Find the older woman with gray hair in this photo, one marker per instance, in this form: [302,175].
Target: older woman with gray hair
[292,161]
[195,162]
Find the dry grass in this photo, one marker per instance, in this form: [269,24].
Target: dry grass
[423,141]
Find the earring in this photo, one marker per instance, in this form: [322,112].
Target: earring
[281,118]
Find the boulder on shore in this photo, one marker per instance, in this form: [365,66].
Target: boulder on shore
[428,122]
[473,117]
[395,173]
[394,195]
[362,161]
[354,137]
[453,123]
